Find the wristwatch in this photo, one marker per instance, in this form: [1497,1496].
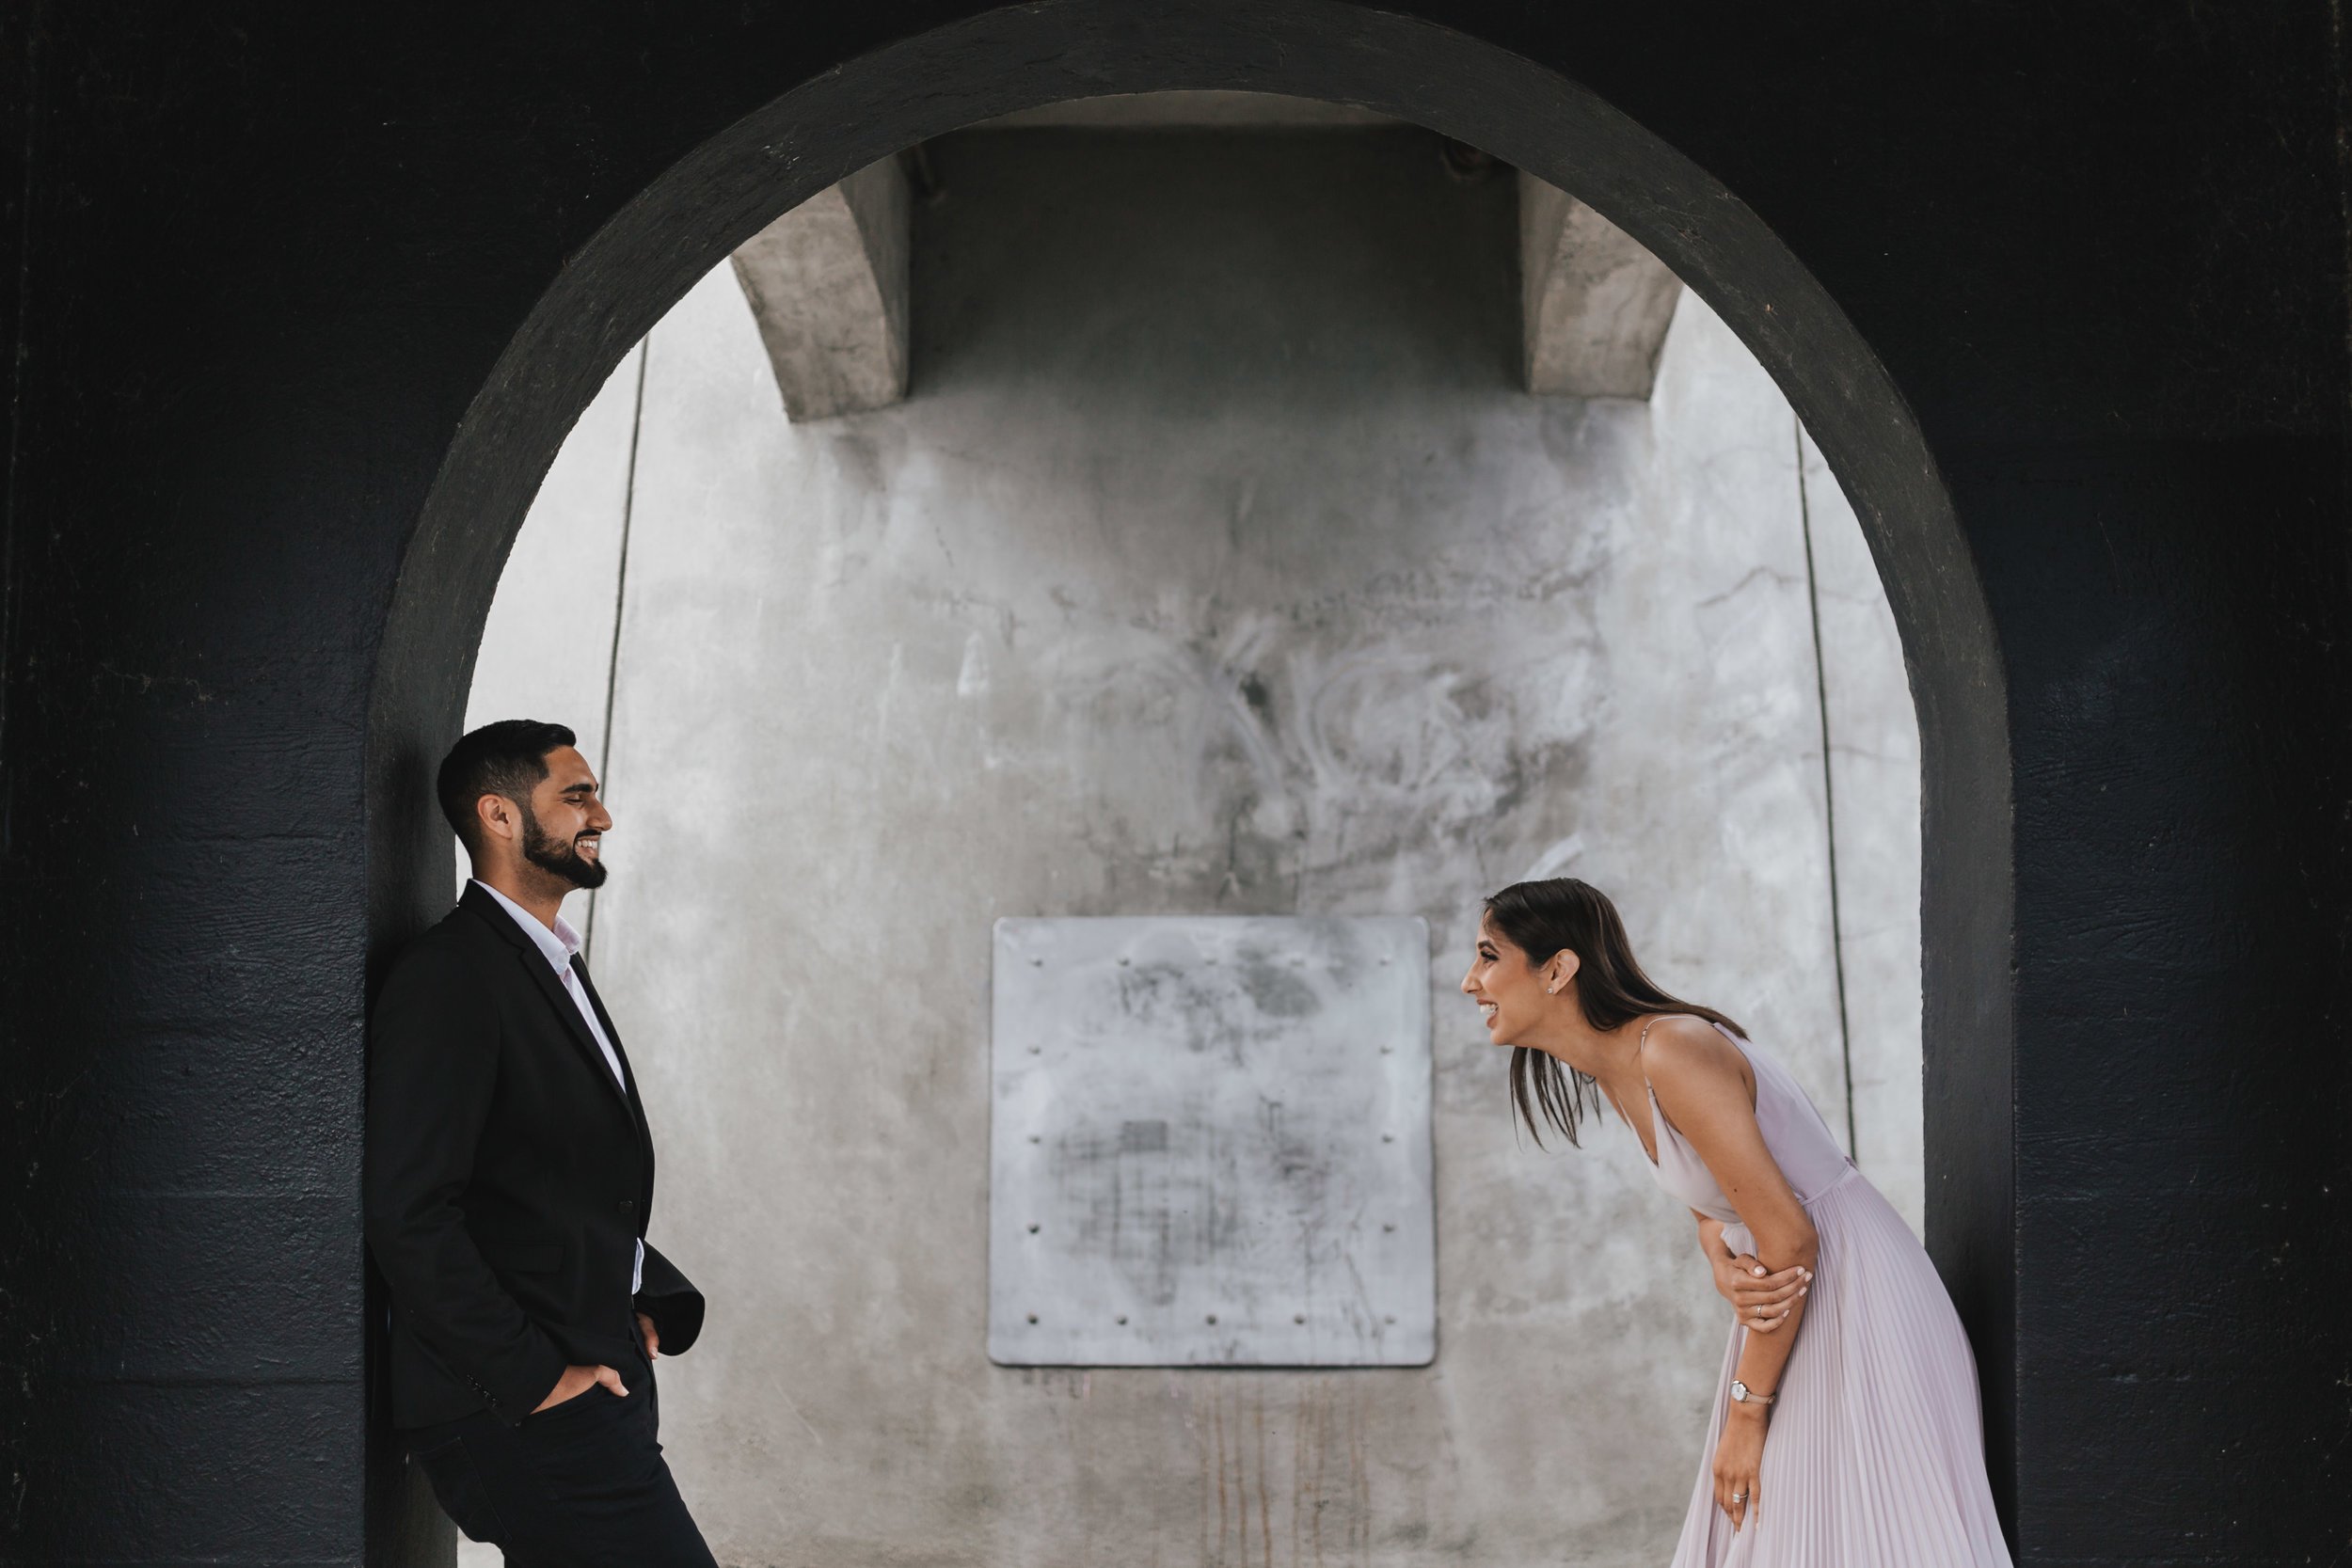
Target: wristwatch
[1746,1395]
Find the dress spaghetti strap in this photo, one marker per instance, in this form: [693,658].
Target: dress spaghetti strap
[1642,1039]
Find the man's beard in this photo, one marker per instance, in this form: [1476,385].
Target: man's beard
[560,856]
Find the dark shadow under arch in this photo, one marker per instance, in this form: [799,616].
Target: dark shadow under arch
[617,286]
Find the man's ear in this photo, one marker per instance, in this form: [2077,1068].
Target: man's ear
[498,817]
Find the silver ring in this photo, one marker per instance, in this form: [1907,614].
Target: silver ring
[1738,1497]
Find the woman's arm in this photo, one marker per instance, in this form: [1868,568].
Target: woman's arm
[1699,1081]
[1746,1283]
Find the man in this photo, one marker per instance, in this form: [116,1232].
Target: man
[509,1176]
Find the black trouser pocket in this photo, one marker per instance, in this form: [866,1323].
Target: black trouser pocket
[459,1487]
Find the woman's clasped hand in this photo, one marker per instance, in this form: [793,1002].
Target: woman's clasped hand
[1760,1299]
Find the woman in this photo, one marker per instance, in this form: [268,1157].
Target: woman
[1846,1431]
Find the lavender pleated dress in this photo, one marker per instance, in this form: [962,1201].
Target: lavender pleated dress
[1875,1454]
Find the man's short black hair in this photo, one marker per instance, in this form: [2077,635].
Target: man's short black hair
[508,758]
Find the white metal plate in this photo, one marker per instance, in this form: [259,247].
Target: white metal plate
[1209,1144]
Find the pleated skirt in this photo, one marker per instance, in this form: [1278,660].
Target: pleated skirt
[1875,1454]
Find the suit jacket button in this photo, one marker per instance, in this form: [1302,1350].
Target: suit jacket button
[628,1206]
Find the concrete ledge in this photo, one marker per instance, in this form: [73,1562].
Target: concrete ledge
[1595,304]
[828,285]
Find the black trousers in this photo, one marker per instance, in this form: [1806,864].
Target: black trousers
[581,1485]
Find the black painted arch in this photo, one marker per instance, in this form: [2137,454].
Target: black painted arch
[722,192]
[303,301]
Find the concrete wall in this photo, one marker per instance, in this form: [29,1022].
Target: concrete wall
[1215,564]
[547,646]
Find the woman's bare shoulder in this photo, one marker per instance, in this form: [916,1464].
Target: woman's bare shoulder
[1691,1054]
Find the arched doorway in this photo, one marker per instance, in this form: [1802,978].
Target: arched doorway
[1224,557]
[687,221]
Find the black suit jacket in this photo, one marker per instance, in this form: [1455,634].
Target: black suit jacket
[508,1177]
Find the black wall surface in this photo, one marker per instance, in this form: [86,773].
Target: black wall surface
[301,301]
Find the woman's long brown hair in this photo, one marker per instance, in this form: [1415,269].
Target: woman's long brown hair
[1565,915]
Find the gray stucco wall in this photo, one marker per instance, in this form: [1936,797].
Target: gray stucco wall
[1215,564]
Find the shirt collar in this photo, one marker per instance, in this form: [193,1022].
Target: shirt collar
[557,946]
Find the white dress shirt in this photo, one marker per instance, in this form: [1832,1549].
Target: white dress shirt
[559,946]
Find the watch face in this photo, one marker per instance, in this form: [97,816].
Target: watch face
[1738,1390]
